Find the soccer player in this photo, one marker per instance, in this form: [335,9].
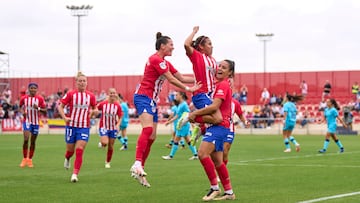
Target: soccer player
[330,115]
[77,129]
[111,116]
[204,67]
[212,145]
[290,121]
[157,69]
[124,124]
[235,109]
[173,109]
[184,132]
[30,105]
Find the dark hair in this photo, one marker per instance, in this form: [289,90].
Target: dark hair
[120,96]
[160,39]
[335,104]
[183,95]
[231,66]
[199,41]
[294,98]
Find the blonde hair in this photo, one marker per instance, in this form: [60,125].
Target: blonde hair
[80,74]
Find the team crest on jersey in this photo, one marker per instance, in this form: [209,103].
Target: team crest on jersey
[162,65]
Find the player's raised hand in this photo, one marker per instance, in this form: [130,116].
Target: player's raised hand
[196,29]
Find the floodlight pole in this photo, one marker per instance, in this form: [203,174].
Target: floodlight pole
[264,38]
[79,11]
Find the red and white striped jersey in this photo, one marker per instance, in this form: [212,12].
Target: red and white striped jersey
[110,115]
[153,78]
[79,107]
[235,108]
[204,68]
[27,103]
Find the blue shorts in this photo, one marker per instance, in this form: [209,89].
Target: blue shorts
[201,100]
[109,133]
[230,137]
[184,131]
[289,126]
[34,129]
[144,104]
[73,134]
[332,129]
[216,134]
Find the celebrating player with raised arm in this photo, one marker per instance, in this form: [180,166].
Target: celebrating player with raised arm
[157,69]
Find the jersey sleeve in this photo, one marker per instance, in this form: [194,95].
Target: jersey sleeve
[41,102]
[221,90]
[172,69]
[92,100]
[66,98]
[286,108]
[335,113]
[100,105]
[238,109]
[161,66]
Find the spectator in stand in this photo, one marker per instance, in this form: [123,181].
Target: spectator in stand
[304,88]
[279,100]
[273,99]
[276,110]
[265,96]
[2,113]
[256,115]
[348,117]
[50,106]
[355,89]
[357,105]
[236,95]
[243,94]
[7,95]
[327,89]
[6,107]
[322,105]
[102,96]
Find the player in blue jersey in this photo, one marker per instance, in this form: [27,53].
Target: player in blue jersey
[330,115]
[184,131]
[124,124]
[290,121]
[174,106]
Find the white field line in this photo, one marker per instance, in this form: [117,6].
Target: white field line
[297,165]
[294,157]
[331,197]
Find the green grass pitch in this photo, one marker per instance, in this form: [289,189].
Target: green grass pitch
[259,170]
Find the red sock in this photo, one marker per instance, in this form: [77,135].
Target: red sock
[25,152]
[142,143]
[224,176]
[78,160]
[109,155]
[225,162]
[31,153]
[209,168]
[199,119]
[147,152]
[69,154]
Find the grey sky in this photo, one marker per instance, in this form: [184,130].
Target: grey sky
[118,36]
